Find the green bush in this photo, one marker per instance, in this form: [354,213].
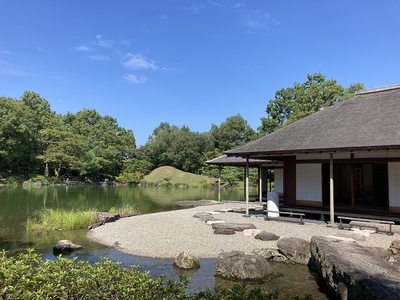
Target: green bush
[28,276]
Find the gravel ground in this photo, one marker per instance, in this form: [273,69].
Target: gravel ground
[166,234]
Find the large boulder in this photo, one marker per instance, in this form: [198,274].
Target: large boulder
[186,261]
[236,265]
[352,271]
[65,247]
[295,249]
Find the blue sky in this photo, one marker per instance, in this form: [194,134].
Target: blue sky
[190,62]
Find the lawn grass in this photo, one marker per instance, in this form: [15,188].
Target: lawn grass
[175,176]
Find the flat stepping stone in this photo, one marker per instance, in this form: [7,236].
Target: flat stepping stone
[235,226]
[251,232]
[224,231]
[201,214]
[267,236]
[212,222]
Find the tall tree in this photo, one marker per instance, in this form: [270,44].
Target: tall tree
[234,132]
[301,100]
[177,147]
[107,144]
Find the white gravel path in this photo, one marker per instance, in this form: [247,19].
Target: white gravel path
[166,234]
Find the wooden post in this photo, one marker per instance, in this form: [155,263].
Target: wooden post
[247,186]
[331,189]
[219,183]
[260,182]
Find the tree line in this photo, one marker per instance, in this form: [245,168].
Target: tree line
[36,140]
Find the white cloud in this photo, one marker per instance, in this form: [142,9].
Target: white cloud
[83,48]
[11,70]
[135,79]
[137,61]
[103,43]
[99,57]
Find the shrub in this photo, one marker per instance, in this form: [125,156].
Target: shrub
[29,277]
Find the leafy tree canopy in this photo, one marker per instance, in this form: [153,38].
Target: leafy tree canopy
[301,100]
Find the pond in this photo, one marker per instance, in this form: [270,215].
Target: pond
[18,204]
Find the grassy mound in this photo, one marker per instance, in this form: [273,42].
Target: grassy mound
[174,175]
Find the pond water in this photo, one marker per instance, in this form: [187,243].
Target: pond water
[18,204]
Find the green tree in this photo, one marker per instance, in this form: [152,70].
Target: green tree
[62,149]
[177,147]
[293,103]
[234,132]
[107,145]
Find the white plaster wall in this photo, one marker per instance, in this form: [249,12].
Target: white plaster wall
[309,182]
[394,184]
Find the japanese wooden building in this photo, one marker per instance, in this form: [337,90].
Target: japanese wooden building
[347,155]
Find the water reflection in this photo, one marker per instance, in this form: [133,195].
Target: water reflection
[19,204]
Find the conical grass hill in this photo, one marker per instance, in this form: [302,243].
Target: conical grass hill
[173,176]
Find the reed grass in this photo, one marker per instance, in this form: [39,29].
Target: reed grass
[57,219]
[124,210]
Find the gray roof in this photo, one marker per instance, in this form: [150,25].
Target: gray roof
[369,120]
[233,161]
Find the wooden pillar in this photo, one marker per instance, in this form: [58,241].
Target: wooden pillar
[260,182]
[331,189]
[219,183]
[247,186]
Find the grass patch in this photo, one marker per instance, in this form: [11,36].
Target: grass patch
[124,210]
[57,219]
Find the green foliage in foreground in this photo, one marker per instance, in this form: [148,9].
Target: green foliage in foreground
[52,219]
[27,276]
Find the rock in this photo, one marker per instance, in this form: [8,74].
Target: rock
[352,235]
[206,218]
[186,261]
[295,249]
[379,252]
[251,232]
[224,231]
[235,226]
[272,254]
[267,236]
[202,214]
[65,247]
[350,270]
[394,251]
[107,217]
[236,265]
[216,221]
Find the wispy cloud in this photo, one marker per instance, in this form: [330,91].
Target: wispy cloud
[258,20]
[11,70]
[135,79]
[100,41]
[83,48]
[99,57]
[137,61]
